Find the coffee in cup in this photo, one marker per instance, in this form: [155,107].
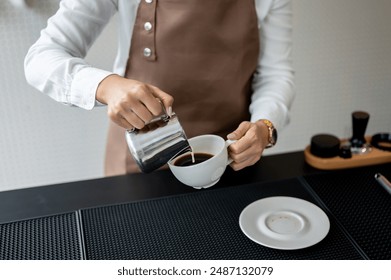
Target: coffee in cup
[191,159]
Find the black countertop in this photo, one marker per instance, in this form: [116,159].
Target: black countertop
[154,216]
[47,200]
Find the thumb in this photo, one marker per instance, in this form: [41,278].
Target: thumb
[239,132]
[165,98]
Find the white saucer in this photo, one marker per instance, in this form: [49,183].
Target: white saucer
[285,223]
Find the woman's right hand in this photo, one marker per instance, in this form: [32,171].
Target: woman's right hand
[132,104]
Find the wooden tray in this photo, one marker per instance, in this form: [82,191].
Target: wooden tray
[376,156]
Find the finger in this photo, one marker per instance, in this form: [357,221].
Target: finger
[239,147]
[244,143]
[240,131]
[133,119]
[248,162]
[142,112]
[115,114]
[145,103]
[240,157]
[165,98]
[249,140]
[255,151]
[123,123]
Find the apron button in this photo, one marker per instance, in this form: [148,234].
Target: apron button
[147,52]
[149,1]
[148,26]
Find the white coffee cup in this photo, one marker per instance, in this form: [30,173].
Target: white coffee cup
[206,173]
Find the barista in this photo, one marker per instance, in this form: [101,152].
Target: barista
[224,66]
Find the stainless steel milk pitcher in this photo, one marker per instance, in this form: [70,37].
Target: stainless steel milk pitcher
[159,141]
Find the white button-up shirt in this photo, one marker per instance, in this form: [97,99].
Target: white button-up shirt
[55,64]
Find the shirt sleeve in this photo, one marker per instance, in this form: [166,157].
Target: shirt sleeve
[273,86]
[55,64]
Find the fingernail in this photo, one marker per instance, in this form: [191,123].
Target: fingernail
[169,111]
[231,136]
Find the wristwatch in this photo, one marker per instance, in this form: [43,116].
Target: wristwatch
[272,133]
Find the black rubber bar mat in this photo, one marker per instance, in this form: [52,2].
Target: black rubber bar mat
[360,204]
[200,225]
[45,238]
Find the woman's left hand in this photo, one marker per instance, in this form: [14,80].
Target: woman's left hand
[252,139]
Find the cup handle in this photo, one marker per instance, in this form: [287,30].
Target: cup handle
[227,143]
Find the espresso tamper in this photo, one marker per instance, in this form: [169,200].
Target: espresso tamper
[358,143]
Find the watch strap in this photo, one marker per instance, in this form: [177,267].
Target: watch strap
[272,139]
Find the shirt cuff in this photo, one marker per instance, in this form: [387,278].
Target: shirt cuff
[274,112]
[84,86]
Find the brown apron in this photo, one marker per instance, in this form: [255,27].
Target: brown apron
[201,52]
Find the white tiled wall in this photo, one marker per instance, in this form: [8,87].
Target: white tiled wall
[341,57]
[41,141]
[343,63]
